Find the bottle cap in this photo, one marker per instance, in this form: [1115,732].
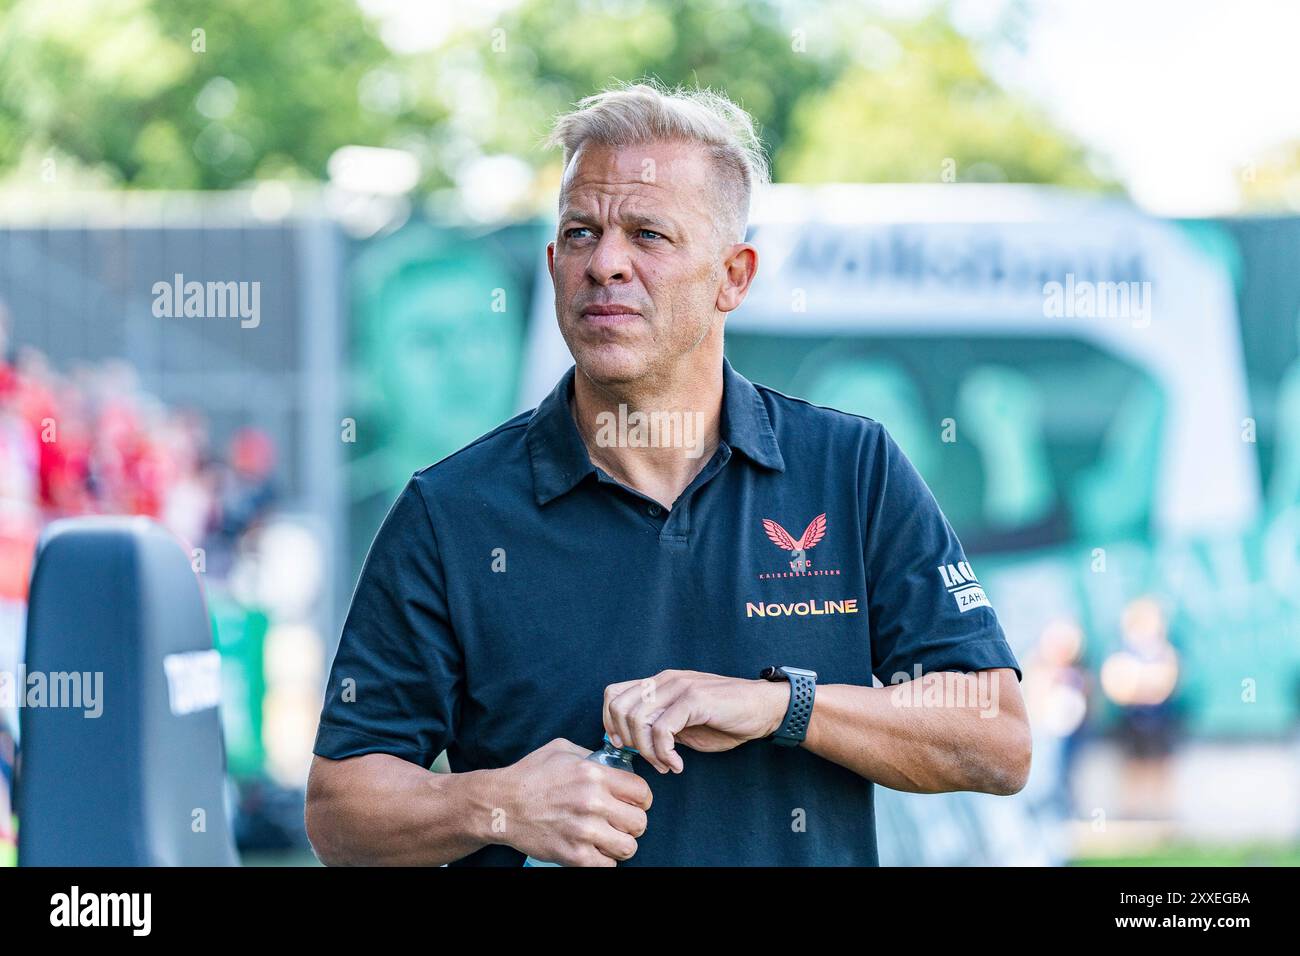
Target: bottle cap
[631,749]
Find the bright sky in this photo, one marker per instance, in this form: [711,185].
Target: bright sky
[1177,94]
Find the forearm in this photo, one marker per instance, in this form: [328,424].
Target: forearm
[918,748]
[380,810]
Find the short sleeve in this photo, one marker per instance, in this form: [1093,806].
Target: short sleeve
[395,682]
[926,606]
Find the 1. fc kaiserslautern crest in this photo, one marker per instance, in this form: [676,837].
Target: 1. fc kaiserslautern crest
[811,535]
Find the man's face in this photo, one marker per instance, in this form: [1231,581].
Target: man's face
[637,234]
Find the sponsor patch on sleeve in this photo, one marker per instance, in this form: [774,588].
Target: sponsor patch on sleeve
[964,587]
[970,597]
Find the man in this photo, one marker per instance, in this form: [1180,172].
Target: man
[563,577]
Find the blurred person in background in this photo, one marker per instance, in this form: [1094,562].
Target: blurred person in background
[1140,679]
[1057,693]
[190,506]
[245,493]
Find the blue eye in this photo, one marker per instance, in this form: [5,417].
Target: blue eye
[650,232]
[569,232]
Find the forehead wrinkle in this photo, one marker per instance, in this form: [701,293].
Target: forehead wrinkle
[620,190]
[631,218]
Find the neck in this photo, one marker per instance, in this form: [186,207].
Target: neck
[654,434]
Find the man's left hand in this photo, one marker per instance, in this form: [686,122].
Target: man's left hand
[706,712]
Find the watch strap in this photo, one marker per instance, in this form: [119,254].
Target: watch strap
[803,690]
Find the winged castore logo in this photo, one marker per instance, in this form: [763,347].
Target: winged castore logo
[800,563]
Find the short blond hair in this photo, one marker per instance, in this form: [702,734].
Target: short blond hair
[640,113]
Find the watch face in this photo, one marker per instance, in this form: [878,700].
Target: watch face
[799,671]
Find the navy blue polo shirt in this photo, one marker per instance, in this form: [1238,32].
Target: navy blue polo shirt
[512,581]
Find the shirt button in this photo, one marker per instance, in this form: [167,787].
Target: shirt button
[654,511]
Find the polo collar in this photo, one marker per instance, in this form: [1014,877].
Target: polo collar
[559,456]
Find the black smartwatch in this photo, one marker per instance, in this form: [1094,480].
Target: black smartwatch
[803,688]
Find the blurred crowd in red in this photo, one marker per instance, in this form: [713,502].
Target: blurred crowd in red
[91,441]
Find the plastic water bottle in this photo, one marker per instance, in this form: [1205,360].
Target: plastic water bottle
[620,758]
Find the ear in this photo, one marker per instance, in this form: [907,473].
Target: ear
[550,260]
[738,271]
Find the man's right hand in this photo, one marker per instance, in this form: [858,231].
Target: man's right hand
[563,808]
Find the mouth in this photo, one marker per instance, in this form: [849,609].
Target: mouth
[609,315]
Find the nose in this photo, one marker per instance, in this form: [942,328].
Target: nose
[609,260]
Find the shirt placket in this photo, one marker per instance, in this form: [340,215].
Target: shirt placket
[673,525]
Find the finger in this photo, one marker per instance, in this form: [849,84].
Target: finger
[665,729]
[590,856]
[652,692]
[630,788]
[642,722]
[620,723]
[613,692]
[641,717]
[626,817]
[614,843]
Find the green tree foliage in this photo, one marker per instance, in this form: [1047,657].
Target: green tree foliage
[838,96]
[556,53]
[918,107]
[189,94]
[192,94]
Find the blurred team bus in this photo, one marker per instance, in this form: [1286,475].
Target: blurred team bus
[1068,376]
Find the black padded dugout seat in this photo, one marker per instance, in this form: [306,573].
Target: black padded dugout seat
[142,783]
